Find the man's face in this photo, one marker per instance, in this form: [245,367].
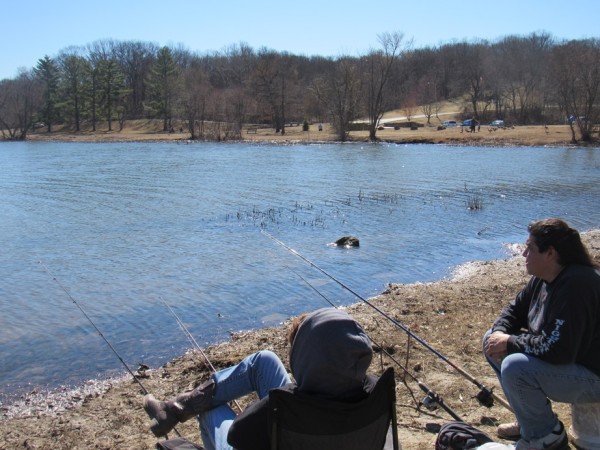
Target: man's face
[537,263]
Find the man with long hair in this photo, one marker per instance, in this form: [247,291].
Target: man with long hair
[545,345]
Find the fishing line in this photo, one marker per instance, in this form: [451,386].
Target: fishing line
[485,396]
[95,327]
[195,344]
[431,397]
[135,378]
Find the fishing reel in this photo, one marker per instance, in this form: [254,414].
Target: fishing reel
[430,402]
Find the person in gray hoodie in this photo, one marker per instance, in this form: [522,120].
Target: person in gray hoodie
[329,357]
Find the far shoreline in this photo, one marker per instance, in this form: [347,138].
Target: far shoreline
[149,132]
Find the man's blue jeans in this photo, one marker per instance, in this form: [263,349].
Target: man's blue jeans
[530,383]
[259,372]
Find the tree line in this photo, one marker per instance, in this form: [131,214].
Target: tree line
[533,79]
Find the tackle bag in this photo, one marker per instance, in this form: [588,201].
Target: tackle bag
[460,436]
[178,443]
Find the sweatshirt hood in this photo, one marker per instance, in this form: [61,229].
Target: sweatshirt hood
[330,354]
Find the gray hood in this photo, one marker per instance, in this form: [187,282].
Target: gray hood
[330,355]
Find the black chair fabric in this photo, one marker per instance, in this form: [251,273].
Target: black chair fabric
[303,422]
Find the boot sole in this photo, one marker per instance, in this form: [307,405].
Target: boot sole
[514,436]
[509,437]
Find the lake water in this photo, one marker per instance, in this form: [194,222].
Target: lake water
[125,227]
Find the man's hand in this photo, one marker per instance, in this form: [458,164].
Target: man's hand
[495,345]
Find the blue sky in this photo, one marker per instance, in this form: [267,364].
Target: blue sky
[36,28]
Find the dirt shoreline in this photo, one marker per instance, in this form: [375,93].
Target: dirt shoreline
[451,315]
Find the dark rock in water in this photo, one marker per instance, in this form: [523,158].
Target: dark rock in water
[347,241]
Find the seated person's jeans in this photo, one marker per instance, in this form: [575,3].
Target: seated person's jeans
[259,372]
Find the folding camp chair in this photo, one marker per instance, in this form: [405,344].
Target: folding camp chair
[305,422]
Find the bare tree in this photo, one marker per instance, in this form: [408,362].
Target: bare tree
[234,113]
[135,59]
[427,97]
[474,72]
[231,67]
[267,80]
[576,68]
[409,106]
[339,91]
[20,99]
[379,67]
[193,99]
[521,82]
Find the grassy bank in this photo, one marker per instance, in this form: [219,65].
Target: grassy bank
[151,130]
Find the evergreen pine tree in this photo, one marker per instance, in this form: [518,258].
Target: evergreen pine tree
[163,84]
[47,71]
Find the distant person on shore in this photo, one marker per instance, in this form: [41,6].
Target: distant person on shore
[545,345]
[329,357]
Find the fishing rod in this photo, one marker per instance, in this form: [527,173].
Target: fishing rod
[135,378]
[195,344]
[431,397]
[485,396]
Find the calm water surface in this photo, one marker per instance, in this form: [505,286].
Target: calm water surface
[124,227]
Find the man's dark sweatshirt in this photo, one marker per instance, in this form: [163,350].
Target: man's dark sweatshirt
[558,322]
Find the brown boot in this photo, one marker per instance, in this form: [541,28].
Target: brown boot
[510,431]
[166,414]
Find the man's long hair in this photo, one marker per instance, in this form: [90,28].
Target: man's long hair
[565,240]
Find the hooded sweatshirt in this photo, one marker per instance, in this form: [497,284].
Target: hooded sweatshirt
[329,358]
[330,355]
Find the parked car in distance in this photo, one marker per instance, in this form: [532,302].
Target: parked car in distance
[573,119]
[497,123]
[449,123]
[467,123]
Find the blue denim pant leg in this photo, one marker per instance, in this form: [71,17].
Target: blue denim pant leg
[214,425]
[530,383]
[259,372]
